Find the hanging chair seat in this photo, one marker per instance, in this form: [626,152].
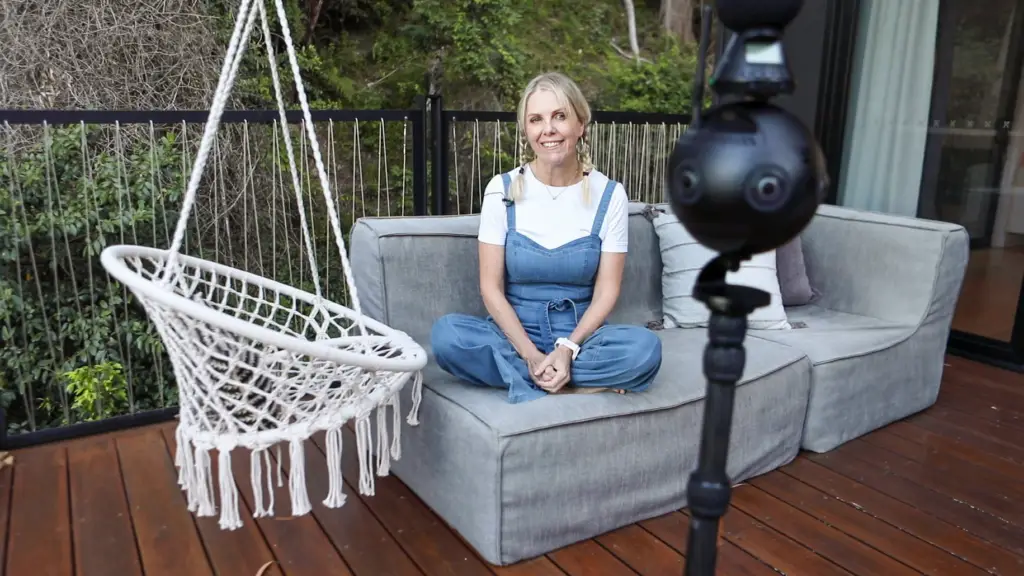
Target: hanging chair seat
[262,362]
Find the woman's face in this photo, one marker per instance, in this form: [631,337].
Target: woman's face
[551,129]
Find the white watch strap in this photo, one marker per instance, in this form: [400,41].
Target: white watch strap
[570,345]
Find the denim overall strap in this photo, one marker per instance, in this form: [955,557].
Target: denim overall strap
[602,209]
[510,209]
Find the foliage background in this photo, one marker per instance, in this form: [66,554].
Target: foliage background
[75,346]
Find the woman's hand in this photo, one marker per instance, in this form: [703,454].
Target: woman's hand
[558,364]
[540,376]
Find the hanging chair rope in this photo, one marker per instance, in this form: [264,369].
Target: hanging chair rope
[259,363]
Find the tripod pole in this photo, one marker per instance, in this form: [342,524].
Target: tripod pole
[709,488]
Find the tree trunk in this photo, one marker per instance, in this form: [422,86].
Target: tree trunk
[677,19]
[634,44]
[315,7]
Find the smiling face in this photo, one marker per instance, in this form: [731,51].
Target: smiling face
[551,128]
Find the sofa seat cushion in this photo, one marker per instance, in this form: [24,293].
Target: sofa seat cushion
[517,481]
[867,372]
[827,335]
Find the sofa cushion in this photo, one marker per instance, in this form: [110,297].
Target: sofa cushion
[867,372]
[877,331]
[517,481]
[409,271]
[683,258]
[796,286]
[829,336]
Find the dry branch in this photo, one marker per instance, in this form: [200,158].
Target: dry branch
[108,54]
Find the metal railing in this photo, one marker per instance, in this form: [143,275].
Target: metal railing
[77,353]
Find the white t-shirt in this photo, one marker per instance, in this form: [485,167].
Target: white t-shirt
[552,222]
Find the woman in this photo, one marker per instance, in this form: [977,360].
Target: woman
[553,239]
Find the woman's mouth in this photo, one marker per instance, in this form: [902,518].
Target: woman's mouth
[551,145]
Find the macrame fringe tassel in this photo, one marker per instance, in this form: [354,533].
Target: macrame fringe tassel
[364,446]
[383,454]
[280,463]
[336,493]
[202,483]
[256,467]
[195,474]
[229,517]
[417,395]
[183,459]
[396,411]
[297,478]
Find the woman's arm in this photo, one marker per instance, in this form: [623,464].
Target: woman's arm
[492,283]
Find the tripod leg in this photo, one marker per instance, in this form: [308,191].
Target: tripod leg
[709,487]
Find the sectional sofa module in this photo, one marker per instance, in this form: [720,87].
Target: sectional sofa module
[517,481]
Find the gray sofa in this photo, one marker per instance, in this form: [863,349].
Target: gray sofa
[517,481]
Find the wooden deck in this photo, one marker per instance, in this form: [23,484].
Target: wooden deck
[939,493]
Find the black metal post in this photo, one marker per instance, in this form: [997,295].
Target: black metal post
[439,154]
[419,157]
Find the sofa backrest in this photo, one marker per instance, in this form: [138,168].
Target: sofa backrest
[411,270]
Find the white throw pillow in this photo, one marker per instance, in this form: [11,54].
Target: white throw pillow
[683,258]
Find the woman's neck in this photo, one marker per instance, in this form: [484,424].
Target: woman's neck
[563,175]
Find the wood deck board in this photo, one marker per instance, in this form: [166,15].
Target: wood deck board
[936,493]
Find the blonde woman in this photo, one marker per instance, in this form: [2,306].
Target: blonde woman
[553,239]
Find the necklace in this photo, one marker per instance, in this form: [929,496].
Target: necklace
[550,192]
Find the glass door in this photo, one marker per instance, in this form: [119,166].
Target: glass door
[973,171]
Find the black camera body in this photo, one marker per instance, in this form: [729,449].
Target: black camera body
[748,176]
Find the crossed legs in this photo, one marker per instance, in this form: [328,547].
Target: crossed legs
[616,356]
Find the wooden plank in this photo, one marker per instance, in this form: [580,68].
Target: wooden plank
[936,504]
[241,551]
[895,543]
[423,536]
[942,534]
[39,541]
[103,534]
[674,529]
[166,534]
[588,558]
[960,369]
[541,566]
[998,487]
[996,439]
[6,485]
[826,540]
[992,496]
[642,551]
[939,444]
[775,548]
[1003,410]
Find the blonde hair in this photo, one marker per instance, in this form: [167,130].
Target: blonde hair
[570,97]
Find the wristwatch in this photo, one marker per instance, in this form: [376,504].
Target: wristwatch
[570,345]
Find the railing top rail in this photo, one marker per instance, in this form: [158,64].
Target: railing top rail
[64,117]
[599,116]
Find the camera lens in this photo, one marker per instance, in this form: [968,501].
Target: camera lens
[767,192]
[687,188]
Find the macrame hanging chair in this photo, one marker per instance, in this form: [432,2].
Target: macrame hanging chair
[260,364]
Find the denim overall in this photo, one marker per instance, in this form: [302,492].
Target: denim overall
[550,289]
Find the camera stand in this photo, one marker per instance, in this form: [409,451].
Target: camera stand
[709,487]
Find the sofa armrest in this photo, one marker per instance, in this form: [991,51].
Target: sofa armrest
[411,270]
[894,268]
